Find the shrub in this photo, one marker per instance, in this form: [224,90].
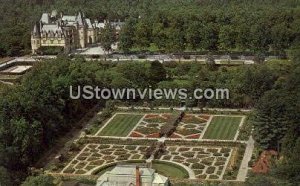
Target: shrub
[210,170]
[217,154]
[81,158]
[41,180]
[188,154]
[103,146]
[53,168]
[80,172]
[92,158]
[50,50]
[192,160]
[80,165]
[167,157]
[130,147]
[136,156]
[226,154]
[97,162]
[198,171]
[198,166]
[186,57]
[218,163]
[212,150]
[202,176]
[183,149]
[119,152]
[225,150]
[89,167]
[213,177]
[207,162]
[172,148]
[69,170]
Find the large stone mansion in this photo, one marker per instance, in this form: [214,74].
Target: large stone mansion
[67,31]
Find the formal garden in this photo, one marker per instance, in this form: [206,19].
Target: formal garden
[207,162]
[192,126]
[97,155]
[201,146]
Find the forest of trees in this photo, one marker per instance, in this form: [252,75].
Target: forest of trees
[166,25]
[276,123]
[36,112]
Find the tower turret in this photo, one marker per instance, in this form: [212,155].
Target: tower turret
[82,29]
[36,38]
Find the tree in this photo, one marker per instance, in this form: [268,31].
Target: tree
[143,32]
[107,37]
[135,73]
[193,34]
[176,40]
[42,180]
[259,37]
[159,35]
[5,178]
[209,36]
[227,36]
[281,37]
[256,81]
[156,73]
[210,62]
[269,120]
[259,180]
[126,37]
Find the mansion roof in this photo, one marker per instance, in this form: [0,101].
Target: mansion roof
[57,24]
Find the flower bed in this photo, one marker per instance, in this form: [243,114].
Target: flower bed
[174,135]
[154,135]
[136,135]
[194,136]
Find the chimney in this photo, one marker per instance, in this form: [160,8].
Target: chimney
[138,176]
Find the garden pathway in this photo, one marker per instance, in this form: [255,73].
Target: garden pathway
[247,157]
[193,108]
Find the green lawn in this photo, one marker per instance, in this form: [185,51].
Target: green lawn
[165,168]
[104,170]
[222,127]
[121,125]
[170,170]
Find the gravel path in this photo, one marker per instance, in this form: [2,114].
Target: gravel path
[247,157]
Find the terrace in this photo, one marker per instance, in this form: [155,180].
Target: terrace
[11,71]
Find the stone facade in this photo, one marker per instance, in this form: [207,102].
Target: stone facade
[69,32]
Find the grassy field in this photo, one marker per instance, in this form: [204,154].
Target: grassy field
[222,127]
[170,170]
[121,125]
